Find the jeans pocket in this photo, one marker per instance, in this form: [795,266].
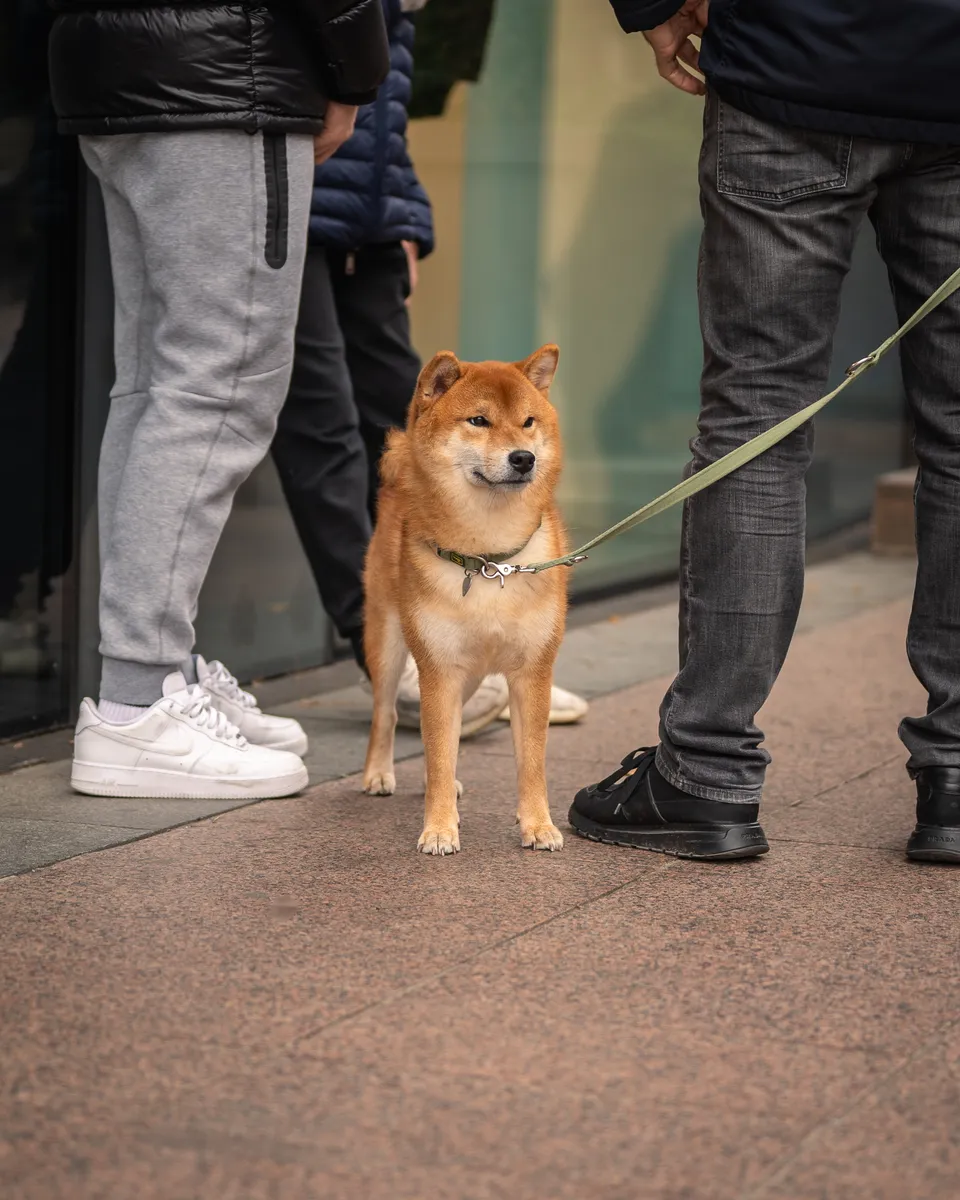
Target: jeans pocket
[764,161]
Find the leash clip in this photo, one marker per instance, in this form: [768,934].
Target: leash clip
[492,570]
[501,571]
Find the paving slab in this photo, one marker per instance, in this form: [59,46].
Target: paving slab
[688,1027]
[42,821]
[285,1000]
[902,1140]
[38,842]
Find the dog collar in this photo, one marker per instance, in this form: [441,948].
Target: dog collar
[490,566]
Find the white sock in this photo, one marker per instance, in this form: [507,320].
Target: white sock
[119,714]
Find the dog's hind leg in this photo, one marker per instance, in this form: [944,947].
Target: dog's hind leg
[386,655]
[441,705]
[529,719]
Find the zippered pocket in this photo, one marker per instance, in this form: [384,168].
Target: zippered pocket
[278,199]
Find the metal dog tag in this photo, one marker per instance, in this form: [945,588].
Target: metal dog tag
[467,580]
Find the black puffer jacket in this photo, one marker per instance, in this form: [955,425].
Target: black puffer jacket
[131,66]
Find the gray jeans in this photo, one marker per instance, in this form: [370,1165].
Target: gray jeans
[782,209]
[207,237]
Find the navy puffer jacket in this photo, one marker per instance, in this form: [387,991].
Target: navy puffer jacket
[368,191]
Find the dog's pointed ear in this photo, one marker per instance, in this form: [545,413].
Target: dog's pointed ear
[541,366]
[437,378]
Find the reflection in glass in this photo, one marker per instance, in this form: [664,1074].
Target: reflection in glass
[37,174]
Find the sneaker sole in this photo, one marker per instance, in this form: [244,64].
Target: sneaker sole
[297,745]
[469,730]
[934,843]
[94,779]
[735,841]
[557,717]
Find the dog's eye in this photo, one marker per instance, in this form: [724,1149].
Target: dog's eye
[528,423]
[478,421]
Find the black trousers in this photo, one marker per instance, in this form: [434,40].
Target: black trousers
[353,376]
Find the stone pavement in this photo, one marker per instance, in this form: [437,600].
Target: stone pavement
[286,1001]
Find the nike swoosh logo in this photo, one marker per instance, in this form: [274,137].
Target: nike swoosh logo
[180,750]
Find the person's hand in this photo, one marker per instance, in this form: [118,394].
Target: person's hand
[338,122]
[413,263]
[672,47]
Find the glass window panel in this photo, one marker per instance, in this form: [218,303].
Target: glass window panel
[37,365]
[565,192]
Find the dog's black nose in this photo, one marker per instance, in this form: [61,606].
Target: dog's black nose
[521,460]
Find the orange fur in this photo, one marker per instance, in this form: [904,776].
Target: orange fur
[449,483]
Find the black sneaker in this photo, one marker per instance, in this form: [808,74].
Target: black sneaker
[937,835]
[636,806]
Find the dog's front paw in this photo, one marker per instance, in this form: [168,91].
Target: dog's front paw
[379,783]
[439,841]
[545,836]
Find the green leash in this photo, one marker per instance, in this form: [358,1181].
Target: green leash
[756,446]
[717,470]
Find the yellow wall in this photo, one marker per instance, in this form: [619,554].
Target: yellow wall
[619,217]
[618,160]
[437,146]
[621,154]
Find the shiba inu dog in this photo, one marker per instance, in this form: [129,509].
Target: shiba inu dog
[468,484]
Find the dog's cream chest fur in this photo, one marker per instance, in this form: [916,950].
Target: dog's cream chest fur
[490,625]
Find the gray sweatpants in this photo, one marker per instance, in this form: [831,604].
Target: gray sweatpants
[207,237]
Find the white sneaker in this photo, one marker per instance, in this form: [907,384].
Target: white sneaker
[182,747]
[565,707]
[241,708]
[479,710]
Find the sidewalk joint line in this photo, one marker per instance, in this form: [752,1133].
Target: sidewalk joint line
[841,1113]
[885,762]
[477,954]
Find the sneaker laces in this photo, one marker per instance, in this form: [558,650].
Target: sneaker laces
[229,684]
[200,710]
[637,764]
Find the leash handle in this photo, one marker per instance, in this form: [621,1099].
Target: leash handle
[756,446]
